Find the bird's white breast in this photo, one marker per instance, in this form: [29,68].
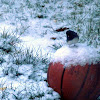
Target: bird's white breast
[74,41]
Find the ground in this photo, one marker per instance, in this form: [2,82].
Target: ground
[29,40]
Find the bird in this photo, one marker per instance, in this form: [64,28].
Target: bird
[72,37]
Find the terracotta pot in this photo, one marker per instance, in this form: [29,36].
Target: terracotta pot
[75,82]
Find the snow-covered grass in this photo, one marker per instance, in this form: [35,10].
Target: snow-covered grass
[23,75]
[28,41]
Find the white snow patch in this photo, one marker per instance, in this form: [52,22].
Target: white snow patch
[6,27]
[39,45]
[80,55]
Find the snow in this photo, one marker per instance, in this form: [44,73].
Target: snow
[19,17]
[77,55]
[6,27]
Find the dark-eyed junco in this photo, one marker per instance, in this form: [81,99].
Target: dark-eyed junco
[72,37]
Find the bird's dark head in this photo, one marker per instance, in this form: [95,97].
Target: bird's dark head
[68,32]
[71,35]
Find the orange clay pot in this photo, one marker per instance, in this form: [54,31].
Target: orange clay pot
[75,82]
